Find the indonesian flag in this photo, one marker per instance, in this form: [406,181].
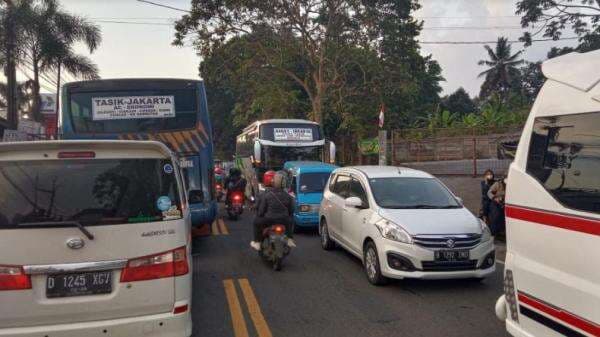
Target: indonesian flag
[381,116]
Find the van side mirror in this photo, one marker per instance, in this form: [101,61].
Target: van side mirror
[257,152]
[195,196]
[332,151]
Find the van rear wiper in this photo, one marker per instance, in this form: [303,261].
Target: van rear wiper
[59,224]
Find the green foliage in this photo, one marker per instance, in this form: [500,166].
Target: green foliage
[335,62]
[582,17]
[459,102]
[502,74]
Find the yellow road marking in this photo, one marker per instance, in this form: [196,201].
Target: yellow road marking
[215,228]
[223,228]
[262,328]
[237,317]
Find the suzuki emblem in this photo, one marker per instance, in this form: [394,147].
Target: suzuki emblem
[75,243]
[450,243]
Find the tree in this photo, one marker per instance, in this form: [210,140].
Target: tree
[306,41]
[532,80]
[459,102]
[502,69]
[553,17]
[48,44]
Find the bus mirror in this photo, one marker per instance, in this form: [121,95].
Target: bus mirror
[332,152]
[257,152]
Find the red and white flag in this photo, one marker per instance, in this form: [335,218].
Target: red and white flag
[381,116]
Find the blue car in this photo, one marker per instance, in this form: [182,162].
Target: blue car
[307,180]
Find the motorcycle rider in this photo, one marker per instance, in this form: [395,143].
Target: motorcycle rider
[234,182]
[274,207]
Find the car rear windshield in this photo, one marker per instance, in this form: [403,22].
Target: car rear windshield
[412,193]
[313,182]
[91,192]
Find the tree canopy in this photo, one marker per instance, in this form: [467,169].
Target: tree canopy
[335,62]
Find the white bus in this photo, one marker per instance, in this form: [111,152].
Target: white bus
[268,144]
[552,275]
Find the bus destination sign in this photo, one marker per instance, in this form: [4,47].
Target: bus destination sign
[132,107]
[293,134]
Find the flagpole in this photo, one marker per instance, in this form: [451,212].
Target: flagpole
[382,137]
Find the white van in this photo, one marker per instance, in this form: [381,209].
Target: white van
[94,240]
[552,275]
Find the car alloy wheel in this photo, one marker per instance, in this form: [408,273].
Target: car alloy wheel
[371,263]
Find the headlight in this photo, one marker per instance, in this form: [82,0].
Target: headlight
[486,234]
[390,230]
[309,208]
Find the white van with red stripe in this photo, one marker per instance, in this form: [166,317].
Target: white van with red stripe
[552,275]
[94,240]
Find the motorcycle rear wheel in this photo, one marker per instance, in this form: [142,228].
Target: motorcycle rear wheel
[277,265]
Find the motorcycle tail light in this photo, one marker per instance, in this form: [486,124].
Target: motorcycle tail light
[279,229]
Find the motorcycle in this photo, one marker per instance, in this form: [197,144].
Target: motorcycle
[274,246]
[235,205]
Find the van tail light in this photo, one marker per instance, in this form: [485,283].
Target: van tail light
[162,265]
[14,278]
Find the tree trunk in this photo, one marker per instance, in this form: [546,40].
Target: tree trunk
[35,107]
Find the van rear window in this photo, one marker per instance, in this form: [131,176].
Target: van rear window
[564,156]
[91,192]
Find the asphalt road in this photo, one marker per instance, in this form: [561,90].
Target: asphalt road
[320,293]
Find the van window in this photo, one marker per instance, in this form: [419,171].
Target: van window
[92,192]
[564,156]
[313,182]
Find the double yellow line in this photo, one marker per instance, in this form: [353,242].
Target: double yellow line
[237,316]
[218,227]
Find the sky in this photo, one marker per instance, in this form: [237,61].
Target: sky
[141,50]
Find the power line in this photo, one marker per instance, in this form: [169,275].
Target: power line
[135,23]
[492,42]
[164,6]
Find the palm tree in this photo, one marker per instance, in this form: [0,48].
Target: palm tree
[502,69]
[48,47]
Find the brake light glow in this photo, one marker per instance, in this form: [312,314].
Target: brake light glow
[279,229]
[237,197]
[169,264]
[76,154]
[14,278]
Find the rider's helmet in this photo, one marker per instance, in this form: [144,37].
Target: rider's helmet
[268,178]
[279,180]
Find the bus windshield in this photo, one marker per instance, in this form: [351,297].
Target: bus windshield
[178,110]
[276,156]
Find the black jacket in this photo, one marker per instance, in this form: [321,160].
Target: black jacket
[275,203]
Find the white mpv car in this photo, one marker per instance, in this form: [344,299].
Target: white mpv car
[94,240]
[403,223]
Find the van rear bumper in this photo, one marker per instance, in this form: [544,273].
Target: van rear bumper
[167,325]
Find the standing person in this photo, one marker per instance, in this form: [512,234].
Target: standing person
[496,212]
[274,206]
[486,183]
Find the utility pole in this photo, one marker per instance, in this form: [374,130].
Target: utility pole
[10,70]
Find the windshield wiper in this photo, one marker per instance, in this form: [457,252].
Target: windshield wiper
[59,224]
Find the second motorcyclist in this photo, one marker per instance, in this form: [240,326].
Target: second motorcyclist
[274,207]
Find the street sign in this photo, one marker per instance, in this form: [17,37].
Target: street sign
[369,146]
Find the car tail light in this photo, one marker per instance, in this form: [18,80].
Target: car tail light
[180,309]
[168,264]
[76,154]
[279,229]
[14,278]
